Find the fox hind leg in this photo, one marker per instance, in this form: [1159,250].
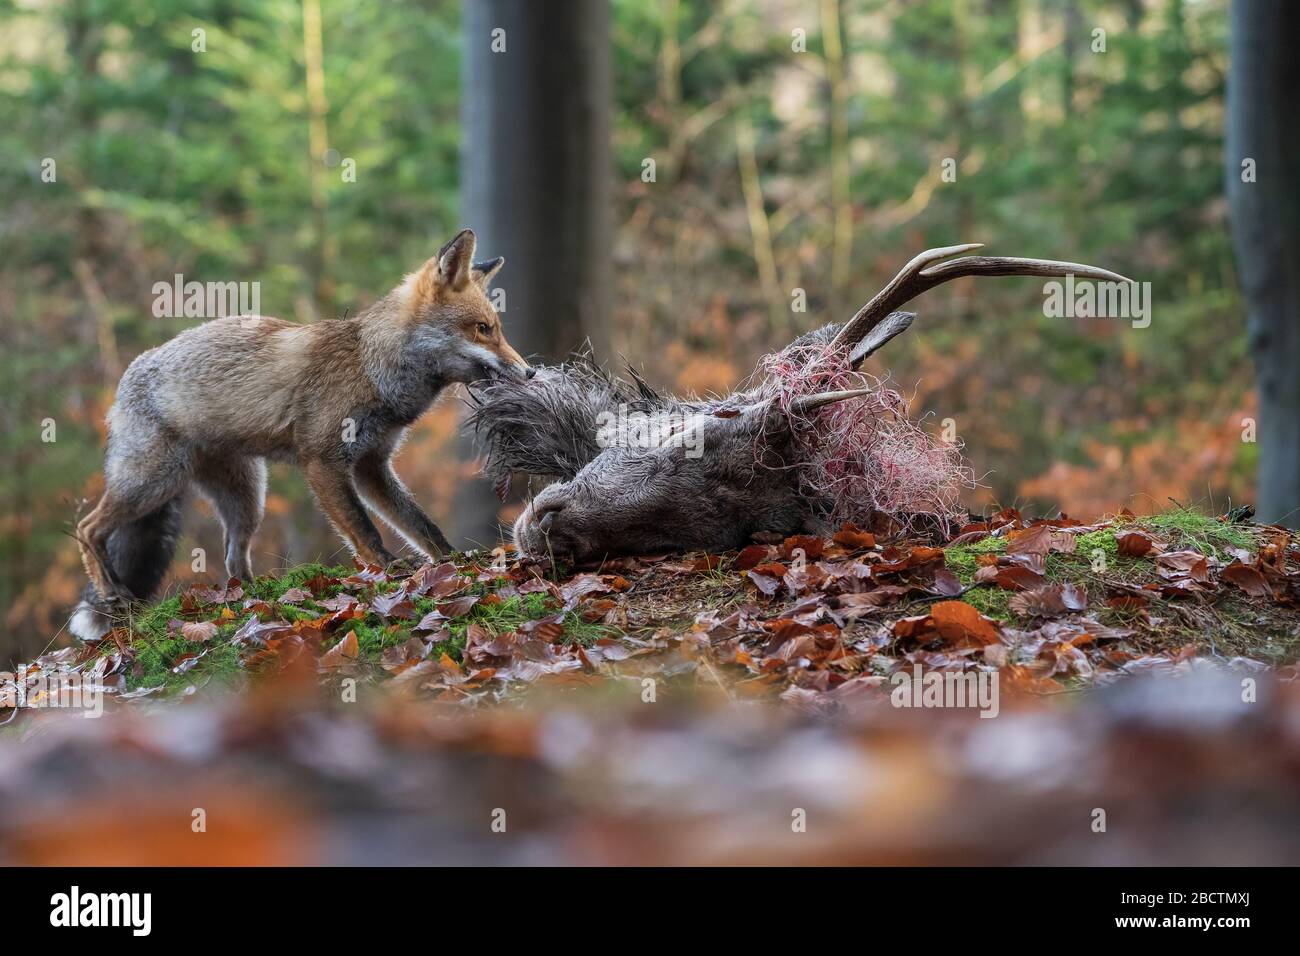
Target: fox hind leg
[139,554]
[143,475]
[236,487]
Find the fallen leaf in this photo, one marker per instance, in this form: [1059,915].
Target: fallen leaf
[1247,578]
[958,622]
[198,631]
[1134,544]
[342,653]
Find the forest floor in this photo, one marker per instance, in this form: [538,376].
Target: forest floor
[484,683]
[1052,605]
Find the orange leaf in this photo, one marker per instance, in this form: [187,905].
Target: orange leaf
[958,622]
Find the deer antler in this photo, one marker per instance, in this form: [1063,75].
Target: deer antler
[928,270]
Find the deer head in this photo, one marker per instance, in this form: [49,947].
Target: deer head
[634,471]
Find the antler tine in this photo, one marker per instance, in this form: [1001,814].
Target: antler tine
[809,403]
[1011,266]
[896,293]
[928,270]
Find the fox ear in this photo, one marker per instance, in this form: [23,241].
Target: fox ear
[484,271]
[449,268]
[454,259]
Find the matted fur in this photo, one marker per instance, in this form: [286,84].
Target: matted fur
[546,428]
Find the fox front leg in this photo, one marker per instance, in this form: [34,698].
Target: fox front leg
[396,505]
[332,485]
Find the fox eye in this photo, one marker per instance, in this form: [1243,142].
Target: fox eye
[484,329]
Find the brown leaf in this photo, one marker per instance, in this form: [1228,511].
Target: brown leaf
[199,594]
[430,581]
[1247,578]
[581,586]
[959,622]
[946,583]
[1193,564]
[548,629]
[338,617]
[318,583]
[187,661]
[1017,578]
[1034,562]
[256,632]
[1051,600]
[612,650]
[853,538]
[595,609]
[812,546]
[1134,544]
[342,653]
[1075,597]
[401,656]
[1040,539]
[754,555]
[457,607]
[394,604]
[430,622]
[706,563]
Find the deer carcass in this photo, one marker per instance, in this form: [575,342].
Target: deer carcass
[810,442]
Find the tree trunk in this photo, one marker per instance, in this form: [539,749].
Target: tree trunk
[535,180]
[1263,79]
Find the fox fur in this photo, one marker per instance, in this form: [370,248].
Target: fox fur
[208,408]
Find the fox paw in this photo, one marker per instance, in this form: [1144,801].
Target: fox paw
[402,568]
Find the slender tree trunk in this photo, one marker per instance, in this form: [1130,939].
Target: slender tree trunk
[1262,132]
[841,201]
[323,251]
[535,180]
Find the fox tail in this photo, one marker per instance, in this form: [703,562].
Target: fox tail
[139,554]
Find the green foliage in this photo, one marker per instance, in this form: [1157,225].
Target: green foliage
[1188,528]
[963,558]
[158,651]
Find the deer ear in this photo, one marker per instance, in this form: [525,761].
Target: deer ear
[454,259]
[484,271]
[896,323]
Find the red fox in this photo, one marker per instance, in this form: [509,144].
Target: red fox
[210,406]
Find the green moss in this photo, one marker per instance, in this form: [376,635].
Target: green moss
[272,588]
[151,623]
[991,601]
[373,636]
[157,651]
[1093,541]
[156,655]
[1187,528]
[963,559]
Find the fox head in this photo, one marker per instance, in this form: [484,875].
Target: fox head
[456,330]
